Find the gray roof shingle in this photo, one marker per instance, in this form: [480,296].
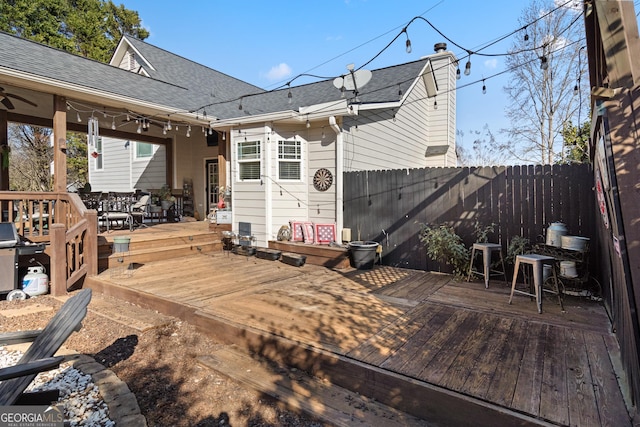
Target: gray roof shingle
[183,85]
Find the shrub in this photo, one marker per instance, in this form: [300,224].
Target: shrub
[445,246]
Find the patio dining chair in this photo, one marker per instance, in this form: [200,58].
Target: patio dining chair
[139,210]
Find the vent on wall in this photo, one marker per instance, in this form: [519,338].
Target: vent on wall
[212,140]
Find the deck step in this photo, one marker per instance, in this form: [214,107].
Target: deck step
[298,391]
[144,256]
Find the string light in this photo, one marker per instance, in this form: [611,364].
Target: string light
[484,87]
[169,125]
[408,42]
[544,63]
[289,94]
[458,71]
[435,104]
[467,67]
[139,130]
[78,117]
[308,123]
[224,136]
[399,91]
[526,35]
[113,124]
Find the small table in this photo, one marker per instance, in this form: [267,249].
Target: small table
[536,262]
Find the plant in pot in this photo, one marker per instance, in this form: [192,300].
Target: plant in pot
[166,198]
[445,246]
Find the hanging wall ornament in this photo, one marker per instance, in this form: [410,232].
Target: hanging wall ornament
[322,179]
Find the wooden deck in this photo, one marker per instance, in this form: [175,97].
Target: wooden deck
[449,352]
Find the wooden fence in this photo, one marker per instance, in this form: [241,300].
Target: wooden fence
[389,206]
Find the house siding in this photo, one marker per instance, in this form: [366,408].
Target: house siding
[122,173]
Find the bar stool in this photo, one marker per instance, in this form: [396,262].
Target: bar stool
[536,262]
[487,249]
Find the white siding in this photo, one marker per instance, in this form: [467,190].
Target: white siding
[374,140]
[121,173]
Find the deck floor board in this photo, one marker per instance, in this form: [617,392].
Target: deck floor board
[555,366]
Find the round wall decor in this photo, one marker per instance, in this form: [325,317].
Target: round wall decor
[322,179]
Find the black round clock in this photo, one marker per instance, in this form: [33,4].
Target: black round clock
[322,179]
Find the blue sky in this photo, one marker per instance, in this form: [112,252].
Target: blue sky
[267,43]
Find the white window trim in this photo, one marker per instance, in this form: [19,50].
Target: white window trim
[135,151]
[300,160]
[239,161]
[100,155]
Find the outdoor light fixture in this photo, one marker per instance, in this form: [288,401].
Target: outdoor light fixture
[308,124]
[78,117]
[526,35]
[467,67]
[435,104]
[113,124]
[289,95]
[169,125]
[575,89]
[139,130]
[458,73]
[484,87]
[408,42]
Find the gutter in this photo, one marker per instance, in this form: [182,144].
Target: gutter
[339,178]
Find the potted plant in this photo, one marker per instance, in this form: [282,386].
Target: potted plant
[166,197]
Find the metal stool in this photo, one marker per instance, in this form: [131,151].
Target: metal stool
[536,262]
[487,250]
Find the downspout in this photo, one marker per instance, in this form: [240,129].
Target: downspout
[268,186]
[339,179]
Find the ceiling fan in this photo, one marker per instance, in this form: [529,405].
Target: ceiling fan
[7,102]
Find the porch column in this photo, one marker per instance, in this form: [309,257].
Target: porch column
[222,163]
[4,153]
[59,144]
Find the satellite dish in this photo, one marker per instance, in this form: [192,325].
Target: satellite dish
[353,80]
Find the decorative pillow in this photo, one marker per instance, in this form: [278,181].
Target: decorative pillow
[325,233]
[307,232]
[296,231]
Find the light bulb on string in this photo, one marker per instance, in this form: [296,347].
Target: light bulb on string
[169,125]
[189,132]
[458,73]
[399,91]
[484,87]
[435,104]
[526,35]
[342,91]
[78,117]
[139,130]
[575,89]
[544,63]
[113,124]
[128,118]
[289,95]
[408,42]
[308,124]
[68,107]
[467,67]
[224,136]
[240,104]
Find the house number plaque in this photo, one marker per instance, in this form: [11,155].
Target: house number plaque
[322,179]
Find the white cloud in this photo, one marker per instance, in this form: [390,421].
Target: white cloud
[279,72]
[491,64]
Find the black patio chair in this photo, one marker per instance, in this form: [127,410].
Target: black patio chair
[39,356]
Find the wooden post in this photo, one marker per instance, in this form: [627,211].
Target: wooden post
[60,144]
[91,243]
[4,154]
[58,256]
[222,162]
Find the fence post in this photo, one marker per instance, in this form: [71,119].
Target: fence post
[91,242]
[58,266]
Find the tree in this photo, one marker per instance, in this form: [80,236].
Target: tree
[485,149]
[545,81]
[91,28]
[30,165]
[576,142]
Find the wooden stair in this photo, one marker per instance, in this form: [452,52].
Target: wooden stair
[157,243]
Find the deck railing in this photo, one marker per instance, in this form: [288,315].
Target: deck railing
[63,222]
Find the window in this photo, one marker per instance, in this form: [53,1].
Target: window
[97,154]
[143,150]
[289,160]
[249,160]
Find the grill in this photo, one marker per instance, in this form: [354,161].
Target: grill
[12,247]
